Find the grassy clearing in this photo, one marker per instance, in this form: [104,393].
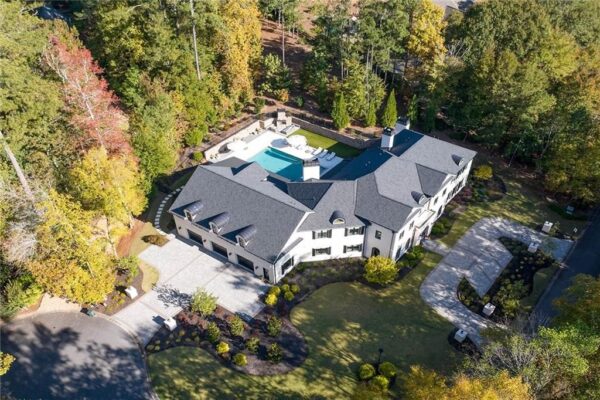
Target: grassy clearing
[316,140]
[344,325]
[521,203]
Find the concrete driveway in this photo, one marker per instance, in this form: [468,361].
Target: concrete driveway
[184,267]
[480,258]
[72,356]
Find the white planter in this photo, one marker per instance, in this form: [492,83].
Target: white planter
[547,226]
[170,324]
[533,247]
[460,336]
[131,292]
[488,309]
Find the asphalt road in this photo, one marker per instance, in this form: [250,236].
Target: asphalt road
[584,259]
[72,356]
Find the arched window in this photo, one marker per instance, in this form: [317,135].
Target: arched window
[374,252]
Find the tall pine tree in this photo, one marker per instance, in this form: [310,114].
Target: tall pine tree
[390,114]
[339,113]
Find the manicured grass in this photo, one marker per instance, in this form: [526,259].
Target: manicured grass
[521,203]
[344,325]
[150,276]
[315,140]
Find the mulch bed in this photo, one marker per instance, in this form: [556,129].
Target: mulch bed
[191,331]
[117,299]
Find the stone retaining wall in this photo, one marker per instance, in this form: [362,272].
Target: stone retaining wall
[356,142]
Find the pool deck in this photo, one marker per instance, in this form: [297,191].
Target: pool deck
[254,144]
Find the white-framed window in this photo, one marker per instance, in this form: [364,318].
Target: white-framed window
[355,247]
[358,230]
[321,251]
[322,234]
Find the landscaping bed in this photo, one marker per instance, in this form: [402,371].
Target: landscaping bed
[513,285]
[193,330]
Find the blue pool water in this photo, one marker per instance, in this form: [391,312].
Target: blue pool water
[280,163]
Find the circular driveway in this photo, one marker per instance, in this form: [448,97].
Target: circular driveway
[71,355]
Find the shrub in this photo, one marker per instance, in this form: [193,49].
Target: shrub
[252,344]
[273,326]
[259,104]
[240,359]
[194,136]
[198,156]
[295,288]
[275,290]
[6,361]
[19,293]
[299,100]
[282,95]
[381,270]
[388,369]
[157,240]
[129,266]
[213,333]
[236,325]
[285,288]
[203,303]
[288,296]
[414,255]
[366,372]
[483,173]
[274,353]
[222,348]
[270,300]
[380,383]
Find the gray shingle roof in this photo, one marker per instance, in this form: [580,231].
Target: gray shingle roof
[249,200]
[380,186]
[340,197]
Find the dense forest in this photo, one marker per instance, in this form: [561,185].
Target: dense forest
[92,113]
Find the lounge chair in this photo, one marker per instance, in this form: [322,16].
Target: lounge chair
[323,154]
[330,157]
[317,151]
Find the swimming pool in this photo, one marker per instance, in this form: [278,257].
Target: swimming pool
[280,163]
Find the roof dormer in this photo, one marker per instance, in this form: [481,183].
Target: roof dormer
[337,218]
[218,222]
[245,235]
[192,211]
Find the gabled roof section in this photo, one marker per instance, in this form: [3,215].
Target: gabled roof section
[308,193]
[247,198]
[397,179]
[436,154]
[379,209]
[431,180]
[339,199]
[368,161]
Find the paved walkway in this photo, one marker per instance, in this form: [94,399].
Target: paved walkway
[68,355]
[183,268]
[480,258]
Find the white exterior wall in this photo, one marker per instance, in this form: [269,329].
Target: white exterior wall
[389,244]
[233,249]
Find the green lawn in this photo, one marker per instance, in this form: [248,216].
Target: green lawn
[521,203]
[344,325]
[315,140]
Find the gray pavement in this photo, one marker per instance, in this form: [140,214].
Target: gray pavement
[68,355]
[479,257]
[584,259]
[184,267]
